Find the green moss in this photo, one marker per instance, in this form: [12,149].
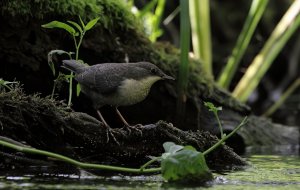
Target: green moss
[43,8]
[111,12]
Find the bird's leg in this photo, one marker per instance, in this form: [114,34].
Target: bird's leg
[128,127]
[108,129]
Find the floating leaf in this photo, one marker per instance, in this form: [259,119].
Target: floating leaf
[91,24]
[184,164]
[57,24]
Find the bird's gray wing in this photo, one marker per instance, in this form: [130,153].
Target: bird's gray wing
[101,79]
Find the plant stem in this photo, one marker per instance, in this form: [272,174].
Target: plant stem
[70,89]
[75,162]
[184,57]
[225,137]
[53,89]
[77,46]
[148,163]
[219,123]
[283,97]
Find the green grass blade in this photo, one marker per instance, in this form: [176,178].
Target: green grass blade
[283,97]
[146,9]
[261,63]
[201,35]
[256,11]
[184,56]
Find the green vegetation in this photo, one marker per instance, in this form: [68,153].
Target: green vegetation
[262,62]
[77,32]
[151,19]
[211,107]
[256,11]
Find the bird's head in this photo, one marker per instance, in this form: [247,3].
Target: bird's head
[153,71]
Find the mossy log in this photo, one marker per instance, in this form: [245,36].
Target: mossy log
[49,125]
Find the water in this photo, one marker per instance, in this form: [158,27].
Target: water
[265,172]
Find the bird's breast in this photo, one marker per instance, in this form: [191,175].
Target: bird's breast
[132,91]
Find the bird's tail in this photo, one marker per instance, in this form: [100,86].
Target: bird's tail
[73,65]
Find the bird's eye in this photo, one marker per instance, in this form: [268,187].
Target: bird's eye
[153,71]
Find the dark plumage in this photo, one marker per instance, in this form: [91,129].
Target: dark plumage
[102,82]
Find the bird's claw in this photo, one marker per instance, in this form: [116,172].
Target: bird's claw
[109,133]
[135,128]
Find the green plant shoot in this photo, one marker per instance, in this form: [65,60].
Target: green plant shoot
[211,107]
[6,84]
[77,32]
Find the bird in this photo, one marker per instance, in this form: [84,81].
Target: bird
[116,84]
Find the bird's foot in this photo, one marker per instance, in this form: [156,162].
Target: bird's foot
[136,127]
[110,134]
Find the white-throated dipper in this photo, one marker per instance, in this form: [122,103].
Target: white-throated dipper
[116,84]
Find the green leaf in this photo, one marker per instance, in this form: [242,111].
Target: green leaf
[78,89]
[76,25]
[57,24]
[170,148]
[50,59]
[6,84]
[82,23]
[91,24]
[184,164]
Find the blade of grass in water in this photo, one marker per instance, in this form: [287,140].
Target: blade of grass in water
[256,11]
[261,63]
[283,97]
[184,56]
[201,35]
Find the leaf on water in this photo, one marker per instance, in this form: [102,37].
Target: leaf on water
[91,24]
[58,24]
[184,164]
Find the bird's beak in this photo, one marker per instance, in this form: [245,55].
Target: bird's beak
[167,77]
